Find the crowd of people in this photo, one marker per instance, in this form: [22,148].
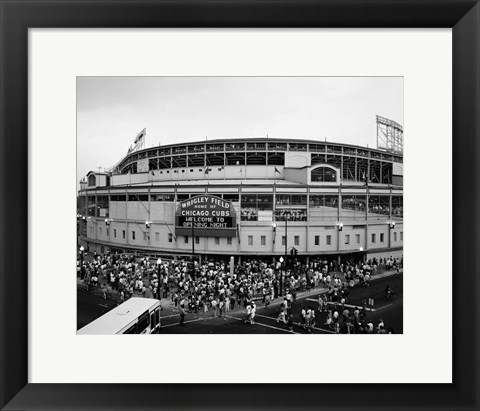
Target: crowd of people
[209,287]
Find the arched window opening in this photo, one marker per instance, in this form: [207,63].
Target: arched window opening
[92,181]
[323,175]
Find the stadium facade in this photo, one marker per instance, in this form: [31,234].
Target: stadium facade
[247,197]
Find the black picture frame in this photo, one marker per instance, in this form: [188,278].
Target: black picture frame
[17,16]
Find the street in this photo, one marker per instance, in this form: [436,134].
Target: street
[391,311]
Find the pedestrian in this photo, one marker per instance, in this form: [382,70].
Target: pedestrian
[308,318]
[182,314]
[248,314]
[221,307]
[283,309]
[303,317]
[290,321]
[214,307]
[320,303]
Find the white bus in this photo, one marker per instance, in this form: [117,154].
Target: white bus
[134,316]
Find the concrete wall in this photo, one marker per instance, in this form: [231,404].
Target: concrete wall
[297,159]
[216,173]
[298,175]
[124,179]
[98,232]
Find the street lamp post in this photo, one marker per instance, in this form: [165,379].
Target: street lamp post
[147,230]
[391,225]
[82,249]
[193,249]
[287,216]
[159,261]
[281,276]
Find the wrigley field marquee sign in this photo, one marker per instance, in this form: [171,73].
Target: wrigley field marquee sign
[210,216]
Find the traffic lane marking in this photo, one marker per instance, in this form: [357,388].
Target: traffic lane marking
[345,305]
[383,306]
[300,325]
[185,322]
[265,325]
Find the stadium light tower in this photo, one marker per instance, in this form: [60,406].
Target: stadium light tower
[389,135]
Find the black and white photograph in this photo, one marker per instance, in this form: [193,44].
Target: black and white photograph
[239,205]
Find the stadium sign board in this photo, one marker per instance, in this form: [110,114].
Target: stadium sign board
[210,216]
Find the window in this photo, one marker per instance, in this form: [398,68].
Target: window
[357,238]
[138,197]
[170,237]
[401,235]
[296,240]
[329,240]
[291,214]
[284,240]
[123,233]
[323,207]
[185,239]
[231,197]
[108,232]
[394,236]
[253,205]
[354,206]
[131,330]
[91,206]
[317,240]
[379,206]
[91,180]
[143,322]
[325,174]
[118,198]
[381,237]
[250,240]
[145,236]
[263,240]
[197,240]
[133,235]
[374,238]
[115,233]
[397,206]
[162,197]
[217,240]
[229,240]
[157,237]
[347,238]
[100,231]
[291,199]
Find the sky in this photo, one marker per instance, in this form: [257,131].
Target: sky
[111,111]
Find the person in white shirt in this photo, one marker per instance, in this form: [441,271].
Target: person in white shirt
[252,314]
[303,317]
[248,314]
[283,310]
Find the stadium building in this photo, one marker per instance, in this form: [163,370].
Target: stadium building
[249,197]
